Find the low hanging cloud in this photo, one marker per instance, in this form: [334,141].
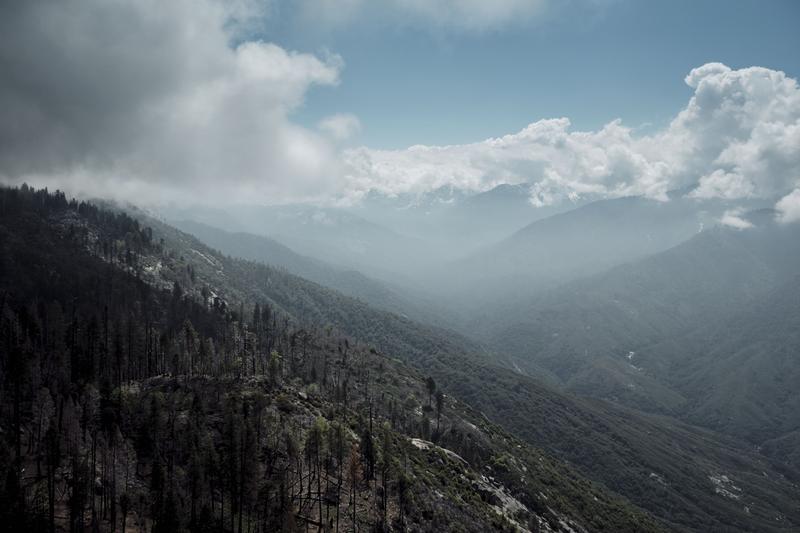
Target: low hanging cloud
[737,138]
[341,126]
[788,207]
[733,219]
[157,101]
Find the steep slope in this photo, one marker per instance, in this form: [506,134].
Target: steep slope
[333,235]
[348,282]
[658,333]
[145,397]
[457,222]
[740,373]
[785,449]
[581,242]
[617,447]
[692,479]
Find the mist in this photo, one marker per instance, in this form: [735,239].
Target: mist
[399,266]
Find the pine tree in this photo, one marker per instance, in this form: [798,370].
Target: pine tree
[354,475]
[430,384]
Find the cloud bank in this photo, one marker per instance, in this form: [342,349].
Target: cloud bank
[157,101]
[170,101]
[738,137]
[788,207]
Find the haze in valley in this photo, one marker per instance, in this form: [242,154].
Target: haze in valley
[545,253]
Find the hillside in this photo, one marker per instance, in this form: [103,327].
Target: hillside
[130,401]
[617,447]
[455,221]
[705,332]
[581,242]
[348,282]
[740,373]
[338,237]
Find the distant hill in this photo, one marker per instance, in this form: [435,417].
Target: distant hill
[705,330]
[656,462]
[349,282]
[457,222]
[147,294]
[332,235]
[740,374]
[140,387]
[584,241]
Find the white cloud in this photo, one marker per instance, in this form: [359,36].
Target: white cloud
[737,137]
[341,126]
[723,184]
[150,99]
[740,131]
[732,218]
[789,207]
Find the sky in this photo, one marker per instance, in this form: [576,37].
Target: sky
[591,61]
[272,101]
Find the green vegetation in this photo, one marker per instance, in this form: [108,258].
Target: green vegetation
[111,308]
[137,394]
[626,451]
[705,332]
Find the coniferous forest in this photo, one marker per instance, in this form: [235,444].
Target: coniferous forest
[129,405]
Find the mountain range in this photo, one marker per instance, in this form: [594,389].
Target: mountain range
[653,391]
[597,336]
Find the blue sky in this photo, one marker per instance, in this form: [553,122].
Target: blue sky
[589,61]
[242,101]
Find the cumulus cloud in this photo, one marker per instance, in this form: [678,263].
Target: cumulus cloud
[168,101]
[732,218]
[788,207]
[737,137]
[157,100]
[341,126]
[740,131]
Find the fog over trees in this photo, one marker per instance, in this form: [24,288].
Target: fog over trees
[313,266]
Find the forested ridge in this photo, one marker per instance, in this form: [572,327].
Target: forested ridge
[660,464]
[133,401]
